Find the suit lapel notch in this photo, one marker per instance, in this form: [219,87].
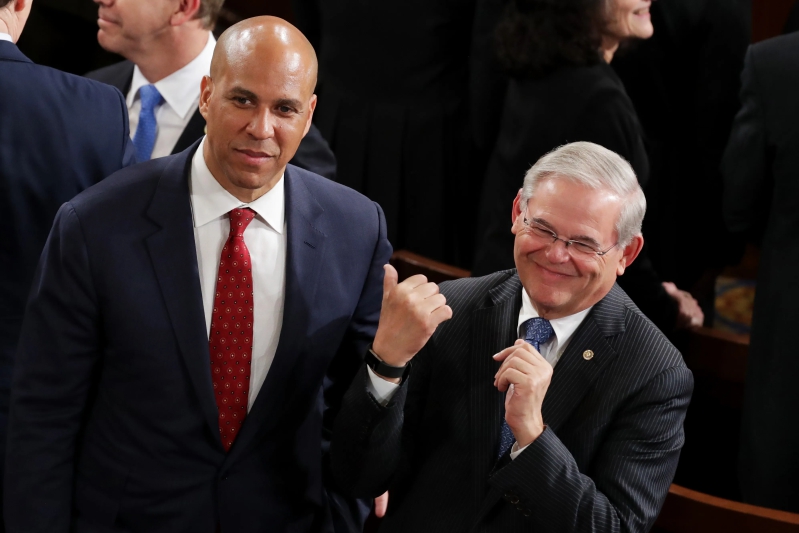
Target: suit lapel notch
[174,258]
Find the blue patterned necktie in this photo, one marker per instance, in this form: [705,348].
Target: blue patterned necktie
[537,331]
[144,140]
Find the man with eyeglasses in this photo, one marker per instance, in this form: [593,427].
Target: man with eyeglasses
[548,402]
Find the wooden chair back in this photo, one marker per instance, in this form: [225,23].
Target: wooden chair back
[689,511]
[409,264]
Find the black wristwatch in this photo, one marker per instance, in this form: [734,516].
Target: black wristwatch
[381,368]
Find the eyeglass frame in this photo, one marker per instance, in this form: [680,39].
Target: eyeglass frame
[555,238]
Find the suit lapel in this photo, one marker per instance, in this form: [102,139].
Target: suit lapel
[577,369]
[493,328]
[304,259]
[193,131]
[174,259]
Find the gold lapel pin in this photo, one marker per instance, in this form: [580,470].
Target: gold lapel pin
[588,355]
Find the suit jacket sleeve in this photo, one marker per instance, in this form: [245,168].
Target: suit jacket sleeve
[372,442]
[350,514]
[629,478]
[56,359]
[744,165]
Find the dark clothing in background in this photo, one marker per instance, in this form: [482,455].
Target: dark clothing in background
[762,160]
[684,84]
[59,134]
[603,463]
[313,154]
[571,104]
[393,103]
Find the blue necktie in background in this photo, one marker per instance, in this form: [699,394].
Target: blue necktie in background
[144,140]
[537,331]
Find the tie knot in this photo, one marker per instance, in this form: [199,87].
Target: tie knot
[537,331]
[150,97]
[240,218]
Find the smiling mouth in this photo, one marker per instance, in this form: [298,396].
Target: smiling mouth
[554,272]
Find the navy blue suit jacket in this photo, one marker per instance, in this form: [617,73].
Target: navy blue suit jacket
[113,425]
[59,134]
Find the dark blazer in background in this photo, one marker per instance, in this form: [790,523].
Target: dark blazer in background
[59,134]
[313,154]
[684,83]
[761,166]
[114,426]
[393,103]
[604,462]
[571,104]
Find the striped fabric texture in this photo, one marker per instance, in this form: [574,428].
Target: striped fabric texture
[614,425]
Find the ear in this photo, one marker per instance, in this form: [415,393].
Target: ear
[629,254]
[186,11]
[311,107]
[206,90]
[517,209]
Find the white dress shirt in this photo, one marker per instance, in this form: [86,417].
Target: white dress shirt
[6,37]
[181,93]
[265,238]
[564,328]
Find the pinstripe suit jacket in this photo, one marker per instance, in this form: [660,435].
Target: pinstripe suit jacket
[604,462]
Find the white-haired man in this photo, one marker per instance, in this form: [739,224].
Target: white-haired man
[548,402]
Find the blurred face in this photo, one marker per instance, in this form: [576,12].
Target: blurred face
[562,281]
[126,25]
[258,108]
[630,19]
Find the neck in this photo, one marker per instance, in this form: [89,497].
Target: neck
[8,26]
[169,52]
[608,48]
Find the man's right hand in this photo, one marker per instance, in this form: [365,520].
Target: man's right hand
[689,313]
[412,310]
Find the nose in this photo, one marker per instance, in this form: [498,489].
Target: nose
[104,3]
[557,252]
[262,124]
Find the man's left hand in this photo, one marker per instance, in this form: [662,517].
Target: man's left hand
[525,375]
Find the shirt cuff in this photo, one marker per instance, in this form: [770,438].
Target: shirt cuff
[381,389]
[515,450]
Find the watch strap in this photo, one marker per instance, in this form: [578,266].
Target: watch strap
[381,368]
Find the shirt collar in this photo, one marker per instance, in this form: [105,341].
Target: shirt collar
[564,327]
[6,37]
[210,201]
[181,89]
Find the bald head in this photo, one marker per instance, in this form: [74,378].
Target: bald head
[258,104]
[265,40]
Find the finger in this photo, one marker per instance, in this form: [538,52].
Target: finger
[501,356]
[390,278]
[442,314]
[509,377]
[516,363]
[430,304]
[426,290]
[381,504]
[671,288]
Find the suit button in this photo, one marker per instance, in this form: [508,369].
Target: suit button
[588,355]
[512,498]
[224,478]
[524,511]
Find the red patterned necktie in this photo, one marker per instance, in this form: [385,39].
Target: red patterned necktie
[231,329]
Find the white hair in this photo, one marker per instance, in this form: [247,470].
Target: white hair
[597,168]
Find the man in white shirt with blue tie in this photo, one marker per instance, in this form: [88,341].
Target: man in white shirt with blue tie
[168,45]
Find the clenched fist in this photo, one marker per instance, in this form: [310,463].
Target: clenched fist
[412,310]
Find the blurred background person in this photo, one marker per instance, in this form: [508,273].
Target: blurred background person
[684,85]
[60,134]
[761,167]
[563,90]
[168,47]
[393,100]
